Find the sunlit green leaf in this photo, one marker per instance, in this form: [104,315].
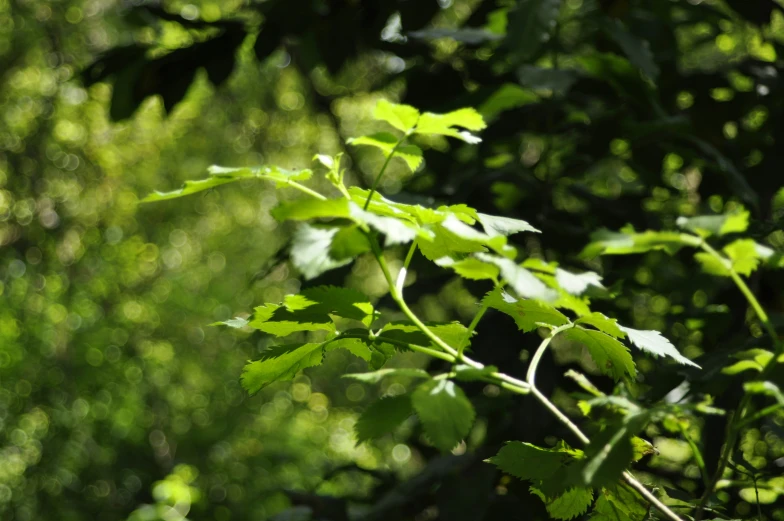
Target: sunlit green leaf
[448,124]
[386,142]
[305,209]
[603,324]
[654,343]
[527,314]
[402,117]
[520,279]
[497,225]
[289,360]
[744,256]
[577,283]
[527,461]
[454,334]
[605,242]
[445,412]
[470,268]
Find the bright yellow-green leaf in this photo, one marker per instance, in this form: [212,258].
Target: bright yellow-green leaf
[402,117]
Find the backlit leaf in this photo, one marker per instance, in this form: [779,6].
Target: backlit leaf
[577,284]
[707,225]
[305,209]
[497,225]
[402,117]
[530,25]
[284,366]
[411,154]
[527,461]
[611,356]
[448,124]
[603,324]
[445,412]
[572,503]
[520,279]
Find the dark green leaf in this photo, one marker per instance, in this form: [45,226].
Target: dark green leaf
[445,412]
[471,374]
[348,243]
[558,81]
[572,503]
[577,283]
[605,242]
[635,48]
[527,461]
[383,416]
[707,225]
[354,346]
[467,35]
[530,25]
[520,279]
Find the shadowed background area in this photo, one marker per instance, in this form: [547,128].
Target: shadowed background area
[119,401]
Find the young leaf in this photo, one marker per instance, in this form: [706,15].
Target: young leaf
[376,376]
[572,503]
[283,364]
[768,388]
[411,154]
[577,284]
[707,225]
[310,250]
[496,225]
[653,342]
[383,416]
[445,412]
[611,356]
[527,314]
[713,265]
[402,117]
[527,461]
[744,255]
[603,324]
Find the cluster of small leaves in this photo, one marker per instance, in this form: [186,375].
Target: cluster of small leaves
[333,231]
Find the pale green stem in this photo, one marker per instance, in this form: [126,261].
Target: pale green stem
[381,172]
[627,476]
[301,188]
[401,276]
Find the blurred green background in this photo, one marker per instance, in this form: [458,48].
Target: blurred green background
[118,401]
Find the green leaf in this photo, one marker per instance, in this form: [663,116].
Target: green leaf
[348,243]
[577,284]
[383,416]
[286,362]
[608,455]
[605,242]
[496,225]
[603,324]
[572,503]
[744,255]
[376,376]
[470,268]
[520,279]
[641,448]
[527,461]
[447,124]
[714,265]
[280,321]
[768,388]
[654,343]
[508,96]
[619,504]
[611,356]
[386,142]
[530,25]
[310,250]
[222,175]
[467,35]
[445,412]
[453,333]
[305,209]
[355,346]
[527,314]
[635,48]
[340,301]
[707,225]
[397,231]
[402,117]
